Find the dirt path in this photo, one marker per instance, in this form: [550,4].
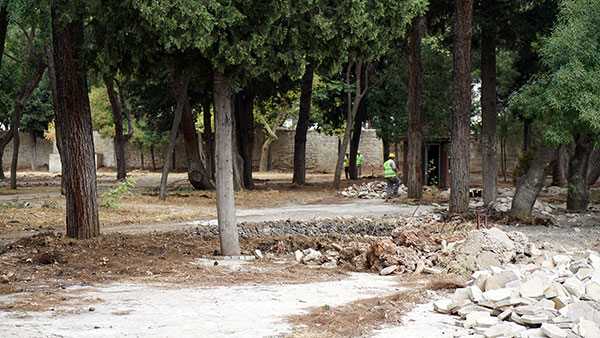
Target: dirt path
[146,309]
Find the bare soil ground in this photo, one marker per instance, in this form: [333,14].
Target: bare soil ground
[146,241]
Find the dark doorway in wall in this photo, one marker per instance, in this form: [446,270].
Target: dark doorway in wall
[432,164]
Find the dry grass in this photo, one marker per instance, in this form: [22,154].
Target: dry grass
[359,318]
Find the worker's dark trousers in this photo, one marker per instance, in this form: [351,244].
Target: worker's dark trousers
[393,183]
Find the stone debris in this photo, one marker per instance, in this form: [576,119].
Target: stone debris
[550,296]
[370,190]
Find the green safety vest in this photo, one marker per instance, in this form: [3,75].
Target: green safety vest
[359,159]
[387,169]
[346,162]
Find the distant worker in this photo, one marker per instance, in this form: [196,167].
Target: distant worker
[347,166]
[359,162]
[389,172]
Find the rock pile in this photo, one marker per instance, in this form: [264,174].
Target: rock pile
[503,204]
[369,190]
[407,250]
[555,296]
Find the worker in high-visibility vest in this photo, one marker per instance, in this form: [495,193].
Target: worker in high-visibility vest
[359,162]
[347,166]
[390,173]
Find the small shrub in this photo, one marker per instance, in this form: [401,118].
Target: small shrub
[110,199]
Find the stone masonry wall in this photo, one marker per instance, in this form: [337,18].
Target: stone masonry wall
[43,149]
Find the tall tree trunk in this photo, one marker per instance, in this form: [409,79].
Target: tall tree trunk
[578,193]
[352,109]
[414,177]
[272,136]
[142,158]
[461,106]
[172,137]
[594,167]
[3,28]
[386,149]
[4,141]
[24,94]
[558,172]
[527,138]
[52,75]
[209,137]
[33,139]
[228,234]
[119,139]
[244,118]
[302,126]
[152,157]
[357,130]
[74,123]
[489,117]
[530,184]
[503,157]
[197,173]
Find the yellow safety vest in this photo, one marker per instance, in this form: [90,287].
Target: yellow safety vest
[346,162]
[359,159]
[387,169]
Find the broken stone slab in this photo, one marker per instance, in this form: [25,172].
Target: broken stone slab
[587,329]
[329,265]
[531,333]
[561,260]
[298,255]
[461,295]
[312,258]
[535,319]
[553,331]
[575,286]
[465,310]
[388,270]
[497,295]
[258,254]
[336,246]
[475,293]
[505,329]
[584,273]
[581,310]
[592,291]
[473,317]
[432,271]
[443,305]
[533,288]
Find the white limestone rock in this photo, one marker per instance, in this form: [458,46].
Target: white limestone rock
[553,331]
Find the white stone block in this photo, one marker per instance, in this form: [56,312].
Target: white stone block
[592,291]
[574,286]
[498,295]
[553,331]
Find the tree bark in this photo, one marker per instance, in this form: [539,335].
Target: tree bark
[3,27]
[594,167]
[357,130]
[4,141]
[414,179]
[461,106]
[33,139]
[489,117]
[228,234]
[244,118]
[578,193]
[209,137]
[558,172]
[527,139]
[152,157]
[25,92]
[352,109]
[302,126]
[272,136]
[74,123]
[529,185]
[119,139]
[172,136]
[197,173]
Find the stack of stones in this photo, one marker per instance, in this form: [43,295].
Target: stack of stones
[553,297]
[370,190]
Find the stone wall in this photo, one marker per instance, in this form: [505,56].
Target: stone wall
[43,149]
[321,150]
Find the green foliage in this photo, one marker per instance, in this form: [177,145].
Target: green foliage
[102,115]
[110,199]
[39,111]
[566,97]
[523,164]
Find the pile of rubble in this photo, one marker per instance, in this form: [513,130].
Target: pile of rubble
[503,204]
[406,250]
[369,190]
[555,296]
